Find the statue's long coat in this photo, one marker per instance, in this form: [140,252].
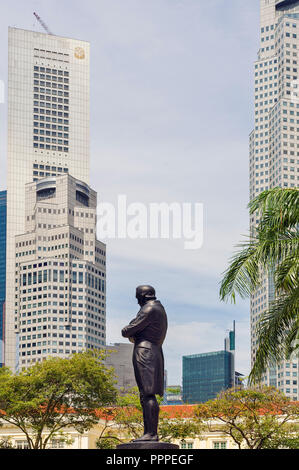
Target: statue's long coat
[148,331]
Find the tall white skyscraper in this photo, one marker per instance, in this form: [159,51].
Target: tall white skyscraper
[48,135]
[274,143]
[60,272]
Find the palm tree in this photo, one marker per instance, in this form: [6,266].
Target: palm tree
[272,250]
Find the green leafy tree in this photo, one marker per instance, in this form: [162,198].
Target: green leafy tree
[272,250]
[178,427]
[54,395]
[173,390]
[125,422]
[254,418]
[5,443]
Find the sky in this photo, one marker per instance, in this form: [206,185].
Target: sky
[171,112]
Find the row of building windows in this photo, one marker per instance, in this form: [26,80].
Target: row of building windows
[56,263]
[52,55]
[50,147]
[48,351]
[51,71]
[52,140]
[60,247]
[49,275]
[54,444]
[53,335]
[52,133]
[42,314]
[48,118]
[51,343]
[267,28]
[52,113]
[55,79]
[50,89]
[50,168]
[61,255]
[48,226]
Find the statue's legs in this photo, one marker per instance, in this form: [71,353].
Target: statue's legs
[145,421]
[150,409]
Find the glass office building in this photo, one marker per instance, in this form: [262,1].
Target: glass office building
[3,206]
[207,374]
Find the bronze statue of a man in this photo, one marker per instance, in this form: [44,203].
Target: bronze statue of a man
[148,331]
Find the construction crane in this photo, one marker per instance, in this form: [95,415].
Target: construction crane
[42,23]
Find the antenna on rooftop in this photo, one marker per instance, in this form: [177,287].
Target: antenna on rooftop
[42,23]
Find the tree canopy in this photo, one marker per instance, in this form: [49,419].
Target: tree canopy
[54,395]
[254,418]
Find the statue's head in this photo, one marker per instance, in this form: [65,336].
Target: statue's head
[145,293]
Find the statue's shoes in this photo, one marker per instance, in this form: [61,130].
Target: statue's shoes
[147,437]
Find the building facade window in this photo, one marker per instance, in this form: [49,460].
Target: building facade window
[219,445]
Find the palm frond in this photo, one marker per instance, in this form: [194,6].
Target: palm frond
[256,257]
[279,207]
[275,330]
[287,274]
[272,241]
[242,275]
[292,341]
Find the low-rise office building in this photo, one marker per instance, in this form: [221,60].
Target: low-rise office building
[120,359]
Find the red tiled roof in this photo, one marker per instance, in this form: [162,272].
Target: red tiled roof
[179,411]
[169,411]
